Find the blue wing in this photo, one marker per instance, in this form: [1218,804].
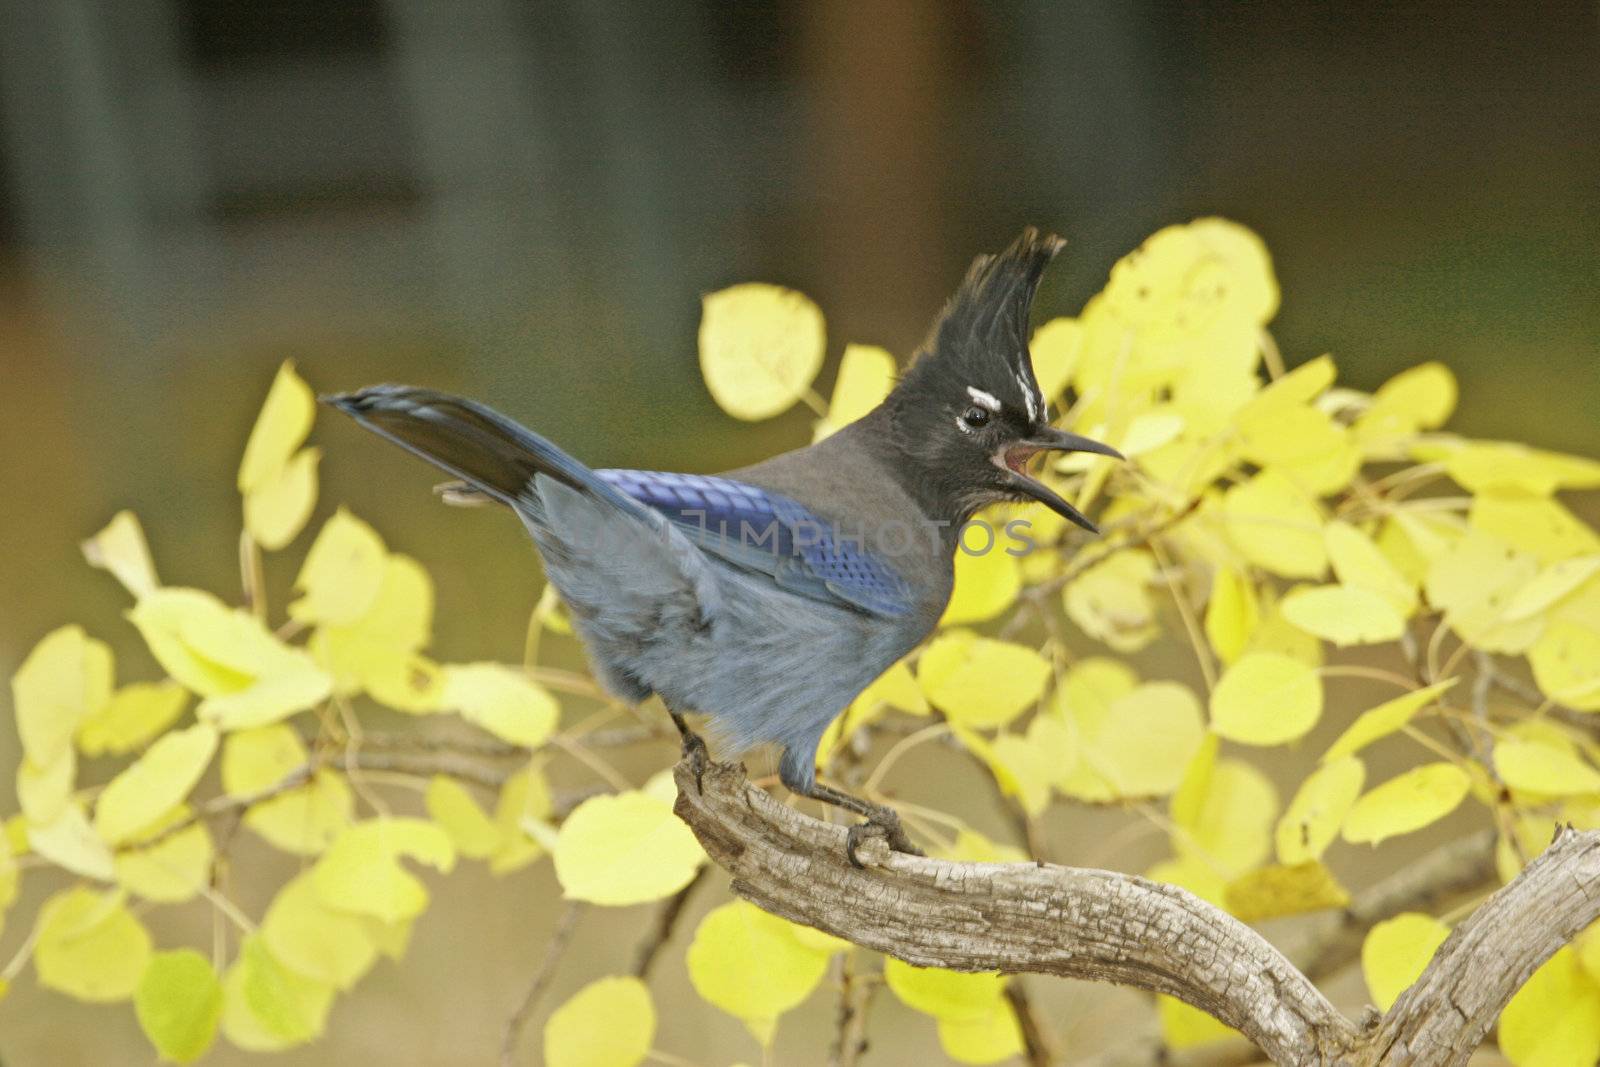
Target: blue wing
[772,534]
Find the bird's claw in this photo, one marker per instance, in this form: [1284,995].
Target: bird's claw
[694,751]
[884,825]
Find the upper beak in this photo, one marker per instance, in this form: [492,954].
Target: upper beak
[1050,439]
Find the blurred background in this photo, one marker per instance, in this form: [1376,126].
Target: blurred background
[524,201]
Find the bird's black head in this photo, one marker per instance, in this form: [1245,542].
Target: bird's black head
[969,414]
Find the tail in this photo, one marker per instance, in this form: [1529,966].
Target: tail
[485,449]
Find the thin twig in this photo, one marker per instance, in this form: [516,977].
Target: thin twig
[855,1003]
[661,930]
[559,939]
[1038,1043]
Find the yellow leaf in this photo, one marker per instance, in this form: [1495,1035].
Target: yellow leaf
[154,783]
[1276,526]
[412,684]
[64,680]
[1272,892]
[1223,812]
[1193,874]
[1278,635]
[1396,952]
[750,964]
[523,806]
[306,936]
[1266,699]
[1314,816]
[1232,614]
[952,995]
[360,872]
[1055,350]
[1184,1026]
[283,424]
[972,847]
[1410,801]
[381,643]
[179,1004]
[1480,466]
[1554,1019]
[986,585]
[1566,665]
[69,841]
[866,374]
[121,549]
[1358,562]
[625,848]
[1287,435]
[135,714]
[1383,720]
[1137,745]
[989,1039]
[1344,615]
[89,946]
[608,1023]
[1023,770]
[502,700]
[761,347]
[342,574]
[1540,768]
[980,682]
[472,832]
[1535,524]
[1420,398]
[1550,585]
[305,820]
[266,1007]
[895,688]
[1111,601]
[44,791]
[175,868]
[276,510]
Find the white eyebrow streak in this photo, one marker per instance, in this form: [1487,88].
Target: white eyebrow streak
[981,397]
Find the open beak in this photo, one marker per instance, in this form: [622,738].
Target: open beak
[1049,439]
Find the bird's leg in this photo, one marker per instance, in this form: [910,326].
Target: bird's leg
[694,746]
[882,821]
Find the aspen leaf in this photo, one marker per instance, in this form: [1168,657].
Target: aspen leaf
[523,806]
[1111,601]
[608,1023]
[1287,435]
[1486,466]
[1396,952]
[265,1006]
[89,946]
[1023,770]
[761,347]
[154,783]
[172,869]
[1223,813]
[866,374]
[952,995]
[1419,398]
[1540,768]
[69,842]
[1566,664]
[1232,614]
[1055,350]
[896,688]
[277,510]
[120,548]
[1343,614]
[1149,432]
[1277,634]
[1475,581]
[1359,563]
[1193,874]
[750,964]
[1184,1026]
[44,791]
[179,1005]
[1266,699]
[625,848]
[65,679]
[980,682]
[1138,745]
[1537,525]
[1410,801]
[1550,585]
[471,830]
[972,847]
[1554,1019]
[988,1039]
[381,644]
[136,714]
[306,936]
[503,700]
[283,424]
[303,820]
[1383,720]
[986,585]
[361,872]
[1275,526]
[342,574]
[1271,892]
[1311,822]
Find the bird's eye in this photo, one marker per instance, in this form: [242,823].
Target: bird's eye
[975,417]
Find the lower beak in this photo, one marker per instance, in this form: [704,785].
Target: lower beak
[1051,439]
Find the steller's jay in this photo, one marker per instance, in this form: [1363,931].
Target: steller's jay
[768,597]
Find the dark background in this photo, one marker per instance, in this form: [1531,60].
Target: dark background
[524,202]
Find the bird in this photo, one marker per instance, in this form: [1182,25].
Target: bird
[768,597]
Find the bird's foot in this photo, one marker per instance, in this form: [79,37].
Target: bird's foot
[883,824]
[698,757]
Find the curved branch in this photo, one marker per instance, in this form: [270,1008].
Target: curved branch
[1076,923]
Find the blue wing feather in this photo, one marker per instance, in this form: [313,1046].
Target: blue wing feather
[771,534]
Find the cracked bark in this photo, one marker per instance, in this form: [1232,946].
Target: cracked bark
[1104,926]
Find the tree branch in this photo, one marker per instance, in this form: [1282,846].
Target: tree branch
[1103,926]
